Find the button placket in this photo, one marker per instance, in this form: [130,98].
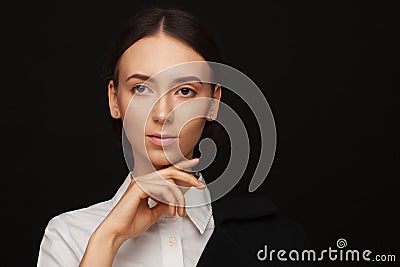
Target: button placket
[170,229]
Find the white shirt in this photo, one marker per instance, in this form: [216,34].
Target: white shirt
[171,241]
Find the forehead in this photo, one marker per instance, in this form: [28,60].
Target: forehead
[153,54]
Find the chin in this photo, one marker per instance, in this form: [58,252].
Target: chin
[160,159]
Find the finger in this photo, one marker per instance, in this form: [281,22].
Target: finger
[168,197]
[171,210]
[183,177]
[158,210]
[178,196]
[158,192]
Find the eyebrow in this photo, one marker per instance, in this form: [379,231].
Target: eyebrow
[180,80]
[138,76]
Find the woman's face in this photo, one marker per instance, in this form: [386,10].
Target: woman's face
[153,107]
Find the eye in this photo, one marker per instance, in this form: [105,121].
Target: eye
[186,91]
[141,89]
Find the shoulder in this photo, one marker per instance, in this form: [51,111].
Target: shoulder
[82,217]
[246,225]
[66,235]
[79,222]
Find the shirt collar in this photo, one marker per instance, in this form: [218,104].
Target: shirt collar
[198,202]
[198,206]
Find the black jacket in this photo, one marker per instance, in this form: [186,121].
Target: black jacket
[243,226]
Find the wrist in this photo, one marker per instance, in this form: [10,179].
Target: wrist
[106,241]
[101,250]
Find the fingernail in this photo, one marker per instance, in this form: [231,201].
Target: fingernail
[201,185]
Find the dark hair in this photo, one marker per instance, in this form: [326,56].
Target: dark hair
[177,23]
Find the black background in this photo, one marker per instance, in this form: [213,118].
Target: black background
[329,70]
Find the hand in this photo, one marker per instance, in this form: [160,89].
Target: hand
[132,214]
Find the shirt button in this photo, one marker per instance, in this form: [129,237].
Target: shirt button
[171,240]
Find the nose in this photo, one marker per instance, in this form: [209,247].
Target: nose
[162,108]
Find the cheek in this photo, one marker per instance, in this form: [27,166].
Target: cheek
[134,125]
[134,130]
[190,134]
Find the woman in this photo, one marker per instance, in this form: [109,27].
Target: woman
[146,222]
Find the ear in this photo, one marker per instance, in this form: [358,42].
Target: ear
[213,111]
[113,100]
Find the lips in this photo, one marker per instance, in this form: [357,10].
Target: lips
[161,140]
